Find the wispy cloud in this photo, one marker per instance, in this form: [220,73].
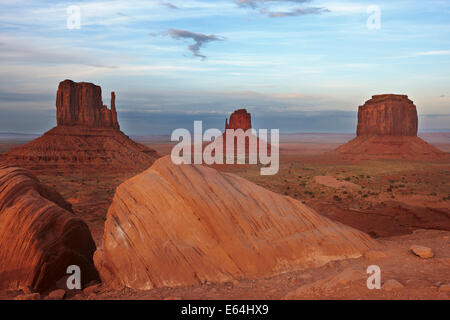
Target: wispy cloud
[256,3]
[265,7]
[169,5]
[294,12]
[199,39]
[434,53]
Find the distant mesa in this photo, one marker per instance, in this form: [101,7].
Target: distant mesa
[87,136]
[240,119]
[80,104]
[39,235]
[387,129]
[190,224]
[388,115]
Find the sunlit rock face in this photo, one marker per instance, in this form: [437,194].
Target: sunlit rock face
[387,129]
[388,115]
[87,136]
[39,235]
[176,225]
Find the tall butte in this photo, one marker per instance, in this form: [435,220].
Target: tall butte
[387,129]
[242,120]
[87,136]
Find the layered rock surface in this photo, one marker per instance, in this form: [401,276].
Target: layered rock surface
[39,236]
[388,115]
[87,136]
[387,129]
[189,224]
[80,104]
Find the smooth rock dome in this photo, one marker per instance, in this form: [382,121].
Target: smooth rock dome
[188,224]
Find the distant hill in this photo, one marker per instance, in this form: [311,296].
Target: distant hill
[14,136]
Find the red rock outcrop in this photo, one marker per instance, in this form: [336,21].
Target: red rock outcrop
[240,119]
[388,115]
[39,236]
[387,129]
[188,224]
[87,136]
[80,104]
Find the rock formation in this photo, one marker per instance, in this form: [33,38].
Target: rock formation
[388,115]
[240,119]
[387,129]
[39,236]
[80,104]
[87,136]
[188,224]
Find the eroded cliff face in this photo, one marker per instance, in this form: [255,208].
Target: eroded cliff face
[39,236]
[80,104]
[87,137]
[387,129]
[240,119]
[189,224]
[388,115]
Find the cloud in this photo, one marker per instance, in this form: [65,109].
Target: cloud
[434,53]
[294,12]
[169,5]
[255,3]
[264,7]
[199,40]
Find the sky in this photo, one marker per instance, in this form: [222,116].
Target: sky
[297,65]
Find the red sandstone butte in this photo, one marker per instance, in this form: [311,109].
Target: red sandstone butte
[240,119]
[388,115]
[39,235]
[387,129]
[87,136]
[80,104]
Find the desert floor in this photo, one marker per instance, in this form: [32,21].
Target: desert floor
[400,203]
